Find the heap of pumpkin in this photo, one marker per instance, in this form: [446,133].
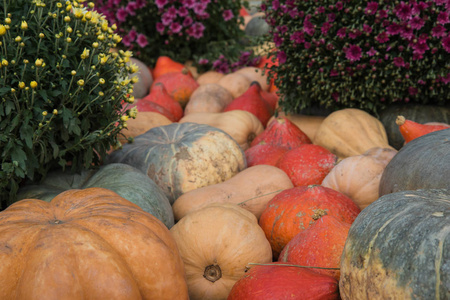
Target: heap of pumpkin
[215,197]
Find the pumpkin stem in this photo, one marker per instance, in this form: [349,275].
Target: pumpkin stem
[400,120]
[213,273]
[251,137]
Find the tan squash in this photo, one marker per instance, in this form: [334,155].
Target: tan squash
[358,177]
[209,97]
[190,66]
[307,124]
[209,77]
[255,74]
[251,189]
[351,131]
[235,83]
[144,121]
[241,125]
[216,244]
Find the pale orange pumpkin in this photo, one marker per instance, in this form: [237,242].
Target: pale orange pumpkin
[216,244]
[235,83]
[209,97]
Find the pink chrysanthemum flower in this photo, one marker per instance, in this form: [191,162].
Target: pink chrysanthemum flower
[281,55]
[394,29]
[371,52]
[308,27]
[438,31]
[399,62]
[175,27]
[142,41]
[161,3]
[183,11]
[227,15]
[132,34]
[341,32]
[403,11]
[298,37]
[353,53]
[121,14]
[187,21]
[443,17]
[371,8]
[416,23]
[131,8]
[446,43]
[382,37]
[160,27]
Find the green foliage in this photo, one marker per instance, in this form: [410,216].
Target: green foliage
[198,30]
[362,54]
[61,89]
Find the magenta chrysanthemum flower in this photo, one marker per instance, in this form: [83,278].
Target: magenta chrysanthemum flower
[198,30]
[335,96]
[331,17]
[277,39]
[416,23]
[383,13]
[420,47]
[371,8]
[132,34]
[418,7]
[203,61]
[341,32]
[281,55]
[443,17]
[199,8]
[166,19]
[161,3]
[399,62]
[140,3]
[394,29]
[175,27]
[371,52]
[182,11]
[142,40]
[282,29]
[160,27]
[131,8]
[121,14]
[367,28]
[412,90]
[334,73]
[275,4]
[172,12]
[187,3]
[403,11]
[308,27]
[227,15]
[355,33]
[407,33]
[298,37]
[438,31]
[382,37]
[446,43]
[126,41]
[353,53]
[187,21]
[339,5]
[325,28]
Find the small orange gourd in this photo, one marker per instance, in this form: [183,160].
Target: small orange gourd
[165,64]
[411,130]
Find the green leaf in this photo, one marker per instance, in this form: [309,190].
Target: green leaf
[43,94]
[9,106]
[4,90]
[26,134]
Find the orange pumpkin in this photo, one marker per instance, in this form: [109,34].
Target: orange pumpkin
[165,64]
[88,243]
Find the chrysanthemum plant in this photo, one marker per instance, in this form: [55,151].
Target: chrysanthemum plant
[62,91]
[204,31]
[363,54]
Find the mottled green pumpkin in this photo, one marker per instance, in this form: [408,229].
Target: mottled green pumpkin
[414,112]
[125,180]
[183,157]
[398,248]
[423,163]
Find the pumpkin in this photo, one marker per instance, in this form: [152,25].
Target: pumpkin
[307,124]
[145,79]
[179,85]
[116,177]
[216,243]
[423,163]
[319,246]
[275,281]
[235,83]
[209,97]
[252,102]
[183,157]
[398,248]
[257,26]
[295,209]
[255,74]
[358,177]
[164,65]
[307,164]
[149,106]
[351,131]
[263,154]
[159,95]
[415,112]
[411,130]
[251,189]
[143,122]
[282,133]
[241,125]
[88,243]
[209,77]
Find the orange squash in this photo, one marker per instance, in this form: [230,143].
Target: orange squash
[241,125]
[216,243]
[411,130]
[210,98]
[251,189]
[209,77]
[165,64]
[88,243]
[358,177]
[159,95]
[255,74]
[307,124]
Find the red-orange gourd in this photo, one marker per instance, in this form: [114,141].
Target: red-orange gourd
[179,85]
[159,95]
[307,164]
[296,209]
[263,154]
[165,64]
[275,281]
[252,101]
[319,245]
[148,106]
[281,132]
[411,130]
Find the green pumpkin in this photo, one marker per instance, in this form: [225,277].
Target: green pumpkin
[183,157]
[398,248]
[257,27]
[423,163]
[414,112]
[125,180]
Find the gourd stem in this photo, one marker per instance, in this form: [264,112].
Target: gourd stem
[400,120]
[212,273]
[289,265]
